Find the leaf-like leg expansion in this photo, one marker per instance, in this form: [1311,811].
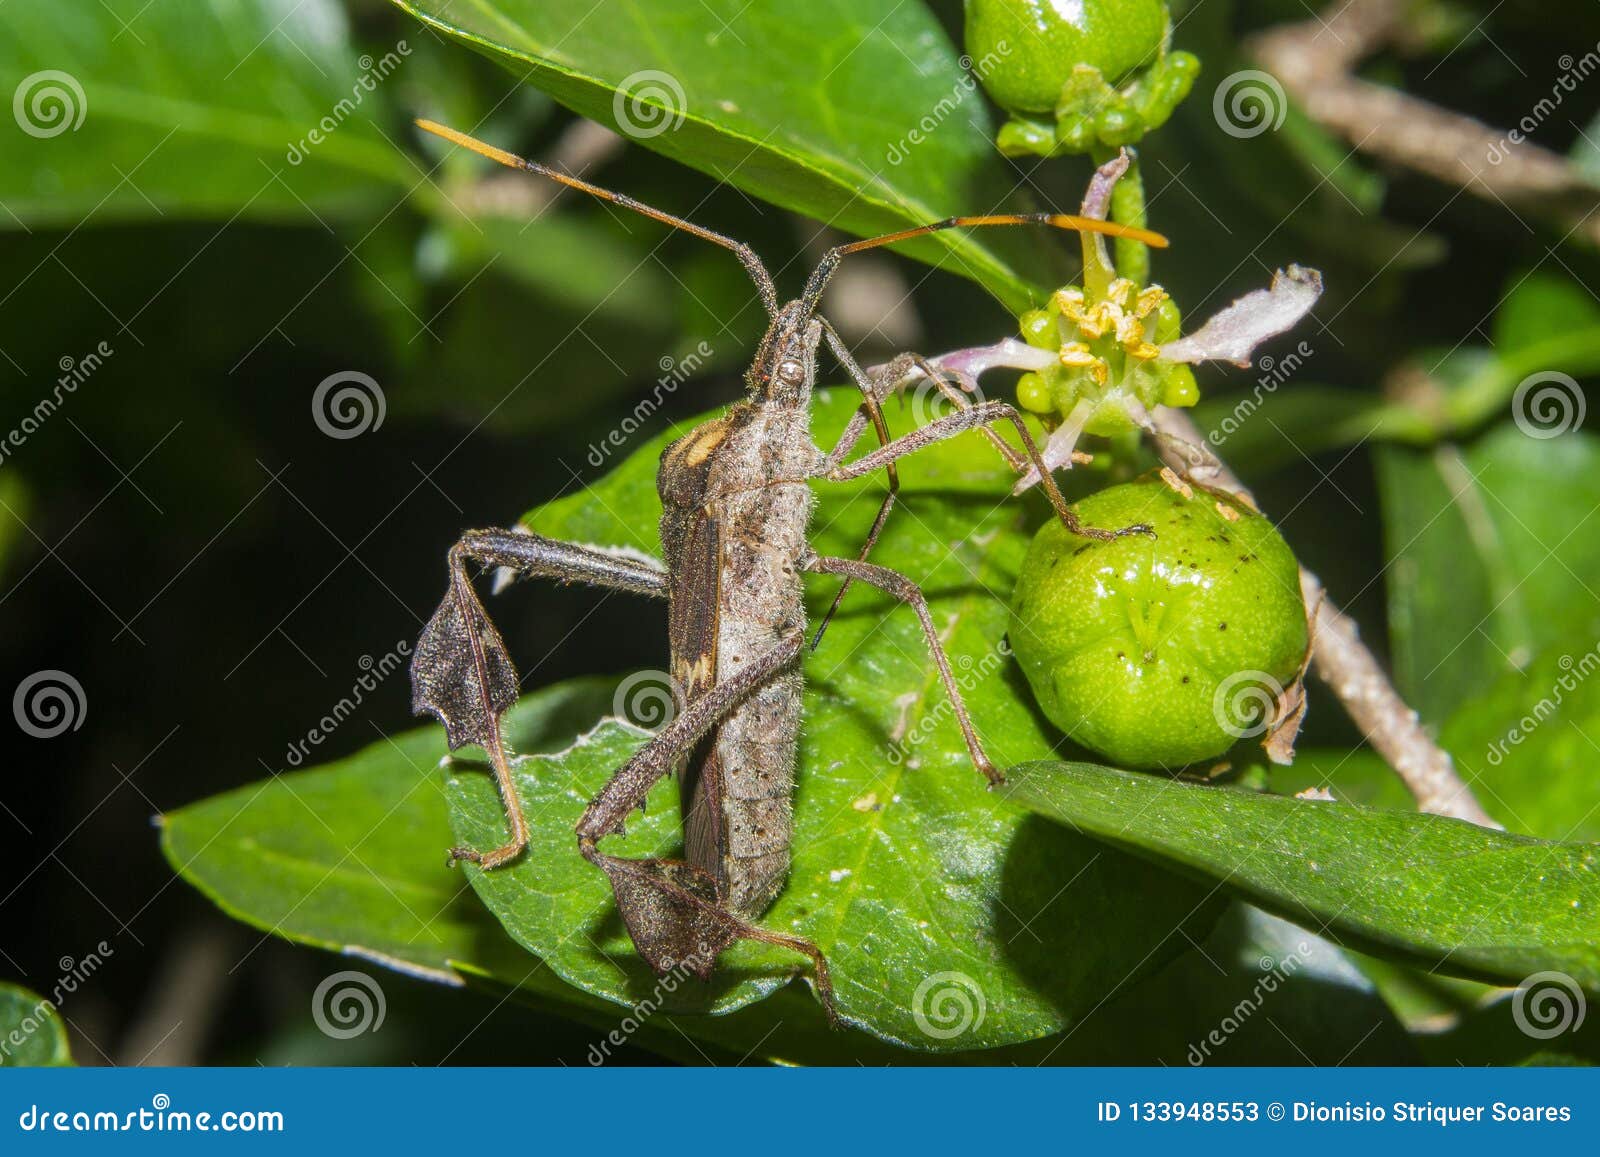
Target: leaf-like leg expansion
[461,673]
[672,910]
[911,594]
[976,417]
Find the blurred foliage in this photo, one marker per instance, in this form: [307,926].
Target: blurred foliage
[180,536]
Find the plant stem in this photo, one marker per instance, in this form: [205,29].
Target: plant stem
[1127,208]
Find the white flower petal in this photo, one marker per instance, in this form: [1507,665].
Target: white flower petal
[1233,334]
[1017,355]
[1058,448]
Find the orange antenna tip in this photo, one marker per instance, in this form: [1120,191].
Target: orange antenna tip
[510,160]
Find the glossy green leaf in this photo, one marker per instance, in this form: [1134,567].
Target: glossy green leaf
[812,107]
[1530,744]
[1462,900]
[907,872]
[136,111]
[1315,1009]
[350,857]
[1493,552]
[31,1031]
[1259,990]
[1543,305]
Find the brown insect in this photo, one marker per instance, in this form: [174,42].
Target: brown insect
[736,509]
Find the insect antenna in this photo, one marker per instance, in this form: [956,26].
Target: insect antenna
[830,260]
[747,256]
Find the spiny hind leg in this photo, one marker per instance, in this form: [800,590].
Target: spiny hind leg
[463,676]
[673,910]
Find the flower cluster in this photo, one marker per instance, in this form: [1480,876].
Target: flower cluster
[1101,355]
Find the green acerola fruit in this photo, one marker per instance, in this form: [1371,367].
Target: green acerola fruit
[1160,651]
[1078,76]
[1038,43]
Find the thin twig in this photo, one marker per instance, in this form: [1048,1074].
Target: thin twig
[1342,661]
[1315,59]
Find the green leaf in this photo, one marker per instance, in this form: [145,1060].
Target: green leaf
[189,109]
[905,866]
[1259,990]
[350,857]
[1463,900]
[1531,743]
[1543,306]
[807,106]
[1492,558]
[31,1031]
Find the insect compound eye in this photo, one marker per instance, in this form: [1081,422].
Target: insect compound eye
[791,372]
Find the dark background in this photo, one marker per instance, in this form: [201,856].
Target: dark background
[212,568]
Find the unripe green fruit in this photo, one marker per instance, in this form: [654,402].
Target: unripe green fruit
[1040,41]
[1159,652]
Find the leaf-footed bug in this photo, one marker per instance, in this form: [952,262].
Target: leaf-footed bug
[736,510]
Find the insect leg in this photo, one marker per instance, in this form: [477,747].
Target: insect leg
[873,391]
[975,417]
[911,594]
[672,909]
[463,676]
